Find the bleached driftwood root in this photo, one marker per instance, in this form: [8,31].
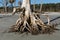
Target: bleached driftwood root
[31,23]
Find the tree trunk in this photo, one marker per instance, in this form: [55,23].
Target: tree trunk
[41,6]
[26,5]
[11,7]
[5,5]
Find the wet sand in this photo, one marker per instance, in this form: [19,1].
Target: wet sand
[6,22]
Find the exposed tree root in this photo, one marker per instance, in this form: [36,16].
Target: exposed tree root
[31,23]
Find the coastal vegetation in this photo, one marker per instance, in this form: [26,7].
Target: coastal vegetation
[49,7]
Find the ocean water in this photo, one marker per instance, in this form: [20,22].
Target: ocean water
[6,22]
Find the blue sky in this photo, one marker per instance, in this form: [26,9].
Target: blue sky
[47,1]
[43,1]
[38,1]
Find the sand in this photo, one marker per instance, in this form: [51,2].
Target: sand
[7,21]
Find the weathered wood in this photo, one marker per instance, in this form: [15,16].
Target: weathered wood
[30,22]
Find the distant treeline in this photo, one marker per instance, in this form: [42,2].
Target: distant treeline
[9,9]
[51,7]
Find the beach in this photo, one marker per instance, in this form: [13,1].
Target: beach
[7,21]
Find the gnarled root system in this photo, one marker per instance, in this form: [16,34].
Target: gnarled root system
[31,23]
